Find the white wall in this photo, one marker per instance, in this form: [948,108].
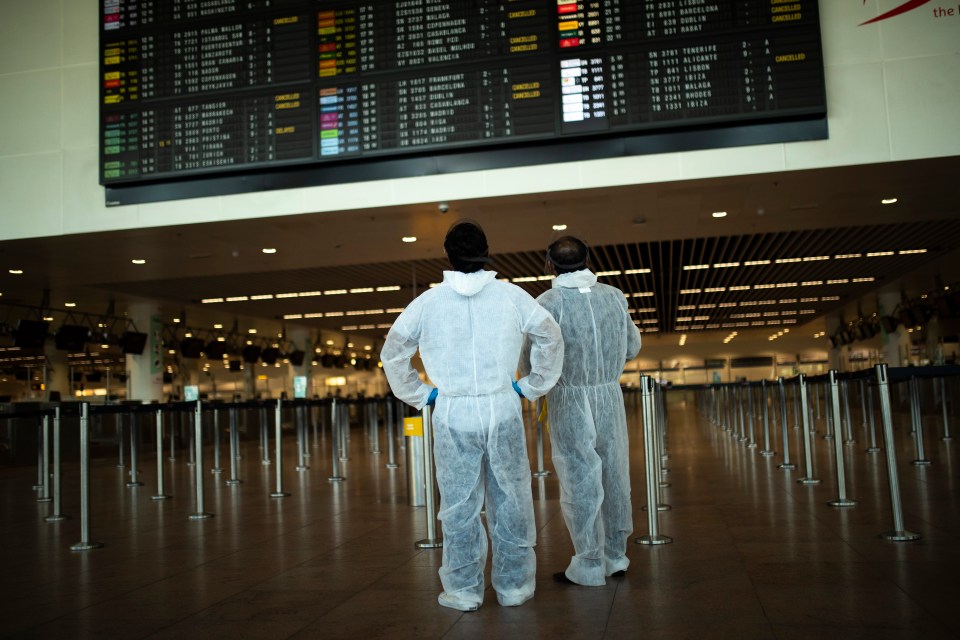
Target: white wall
[892,92]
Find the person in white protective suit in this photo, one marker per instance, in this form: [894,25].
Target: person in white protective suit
[470,330]
[586,417]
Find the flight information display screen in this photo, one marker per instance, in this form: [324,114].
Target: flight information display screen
[192,87]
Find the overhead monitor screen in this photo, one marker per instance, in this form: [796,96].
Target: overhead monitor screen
[194,87]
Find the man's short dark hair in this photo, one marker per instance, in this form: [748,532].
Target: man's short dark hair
[568,254]
[466,246]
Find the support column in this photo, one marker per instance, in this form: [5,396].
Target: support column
[145,371]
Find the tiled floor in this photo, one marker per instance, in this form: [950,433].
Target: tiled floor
[756,555]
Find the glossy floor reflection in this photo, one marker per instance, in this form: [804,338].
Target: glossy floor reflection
[756,555]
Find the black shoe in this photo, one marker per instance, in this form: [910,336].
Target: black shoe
[562,578]
[618,574]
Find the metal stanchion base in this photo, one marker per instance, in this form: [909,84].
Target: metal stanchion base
[160,497]
[376,452]
[808,481]
[651,540]
[232,482]
[133,484]
[307,455]
[265,462]
[849,442]
[540,474]
[827,437]
[191,464]
[665,485]
[56,518]
[900,536]
[37,487]
[302,467]
[336,479]
[752,445]
[767,452]
[947,438]
[84,546]
[44,499]
[391,465]
[429,543]
[200,516]
[279,494]
[344,459]
[741,438]
[121,466]
[216,470]
[920,463]
[787,466]
[872,450]
[842,502]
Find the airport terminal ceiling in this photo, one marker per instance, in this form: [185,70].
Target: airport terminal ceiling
[773,259]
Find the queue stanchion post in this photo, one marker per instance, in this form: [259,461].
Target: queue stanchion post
[233,480]
[808,478]
[278,452]
[830,429]
[56,516]
[173,437]
[343,431]
[540,472]
[432,541]
[899,533]
[653,537]
[40,459]
[264,437]
[301,425]
[863,403]
[873,448]
[118,421]
[916,418]
[216,442]
[848,422]
[307,423]
[335,475]
[786,464]
[85,543]
[44,462]
[767,451]
[200,513]
[740,409]
[374,427]
[751,441]
[842,499]
[660,444]
[391,438]
[134,458]
[314,413]
[160,495]
[944,402]
[192,443]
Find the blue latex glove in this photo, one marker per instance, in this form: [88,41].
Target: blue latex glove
[433,397]
[516,388]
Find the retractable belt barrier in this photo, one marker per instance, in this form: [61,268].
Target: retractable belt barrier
[203,419]
[727,405]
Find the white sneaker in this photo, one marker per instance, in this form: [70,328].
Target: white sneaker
[453,602]
[513,601]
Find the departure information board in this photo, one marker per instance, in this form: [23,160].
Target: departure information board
[193,87]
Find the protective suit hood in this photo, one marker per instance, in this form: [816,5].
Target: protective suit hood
[469,284]
[575,279]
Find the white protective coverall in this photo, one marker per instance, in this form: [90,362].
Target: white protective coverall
[470,331]
[588,426]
